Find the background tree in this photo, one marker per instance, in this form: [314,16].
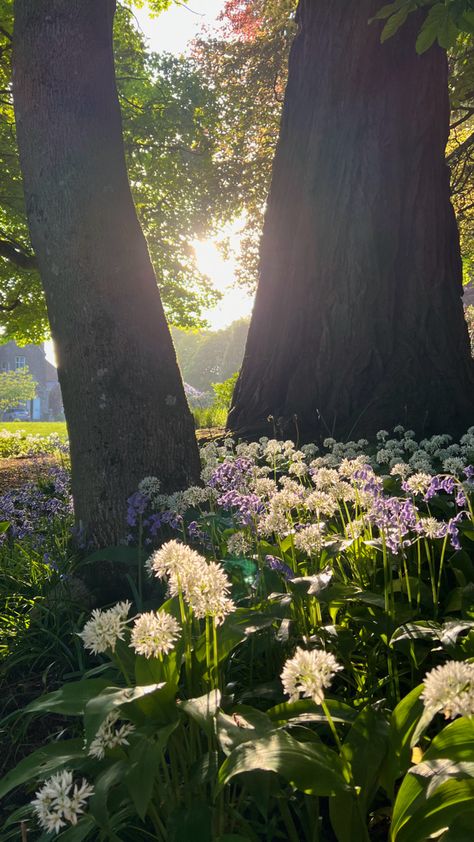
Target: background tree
[358,321]
[123,396]
[247,63]
[16,386]
[171,125]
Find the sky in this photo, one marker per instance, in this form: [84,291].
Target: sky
[171,32]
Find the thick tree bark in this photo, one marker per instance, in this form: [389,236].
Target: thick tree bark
[358,322]
[123,396]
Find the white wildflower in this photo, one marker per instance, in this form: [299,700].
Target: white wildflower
[195,495]
[108,736]
[309,673]
[322,503]
[264,487]
[298,469]
[325,478]
[173,559]
[400,469]
[59,801]
[238,544]
[104,628]
[450,688]
[432,528]
[418,483]
[154,634]
[206,590]
[310,539]
[454,465]
[150,487]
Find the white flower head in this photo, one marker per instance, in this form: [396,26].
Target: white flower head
[108,736]
[207,592]
[418,483]
[173,559]
[238,544]
[150,487]
[450,688]
[104,628]
[309,673]
[154,634]
[59,801]
[310,539]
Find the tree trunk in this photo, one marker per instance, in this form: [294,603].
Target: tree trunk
[358,322]
[126,411]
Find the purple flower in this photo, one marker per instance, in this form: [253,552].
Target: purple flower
[232,476]
[136,505]
[247,506]
[280,567]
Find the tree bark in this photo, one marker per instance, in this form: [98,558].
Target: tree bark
[124,401]
[358,322]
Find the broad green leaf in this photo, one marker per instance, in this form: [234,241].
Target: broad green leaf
[42,763]
[460,829]
[120,555]
[403,723]
[437,771]
[314,770]
[70,699]
[434,815]
[203,710]
[111,698]
[78,832]
[145,757]
[305,710]
[244,724]
[103,783]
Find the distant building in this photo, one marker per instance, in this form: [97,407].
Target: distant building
[47,404]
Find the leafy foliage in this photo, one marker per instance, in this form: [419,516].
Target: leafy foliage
[16,386]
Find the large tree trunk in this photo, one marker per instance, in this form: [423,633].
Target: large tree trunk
[358,322]
[123,396]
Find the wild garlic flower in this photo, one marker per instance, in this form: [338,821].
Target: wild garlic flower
[238,544]
[322,503]
[108,736]
[206,590]
[310,539]
[104,628]
[173,559]
[418,483]
[154,634]
[400,469]
[59,802]
[150,487]
[450,688]
[309,673]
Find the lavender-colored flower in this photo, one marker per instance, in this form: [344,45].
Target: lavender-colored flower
[247,506]
[232,476]
[279,566]
[136,506]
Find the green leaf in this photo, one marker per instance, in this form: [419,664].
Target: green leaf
[305,710]
[403,723]
[394,23]
[145,757]
[113,697]
[4,526]
[460,829]
[103,783]
[316,770]
[42,763]
[78,832]
[434,814]
[438,25]
[203,710]
[241,726]
[70,699]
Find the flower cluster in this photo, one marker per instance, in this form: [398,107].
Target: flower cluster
[309,673]
[450,688]
[105,628]
[154,634]
[204,585]
[60,802]
[110,736]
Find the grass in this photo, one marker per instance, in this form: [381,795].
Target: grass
[36,428]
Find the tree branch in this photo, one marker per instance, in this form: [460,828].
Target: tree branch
[15,254]
[461,149]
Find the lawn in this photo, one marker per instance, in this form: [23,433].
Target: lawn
[36,428]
